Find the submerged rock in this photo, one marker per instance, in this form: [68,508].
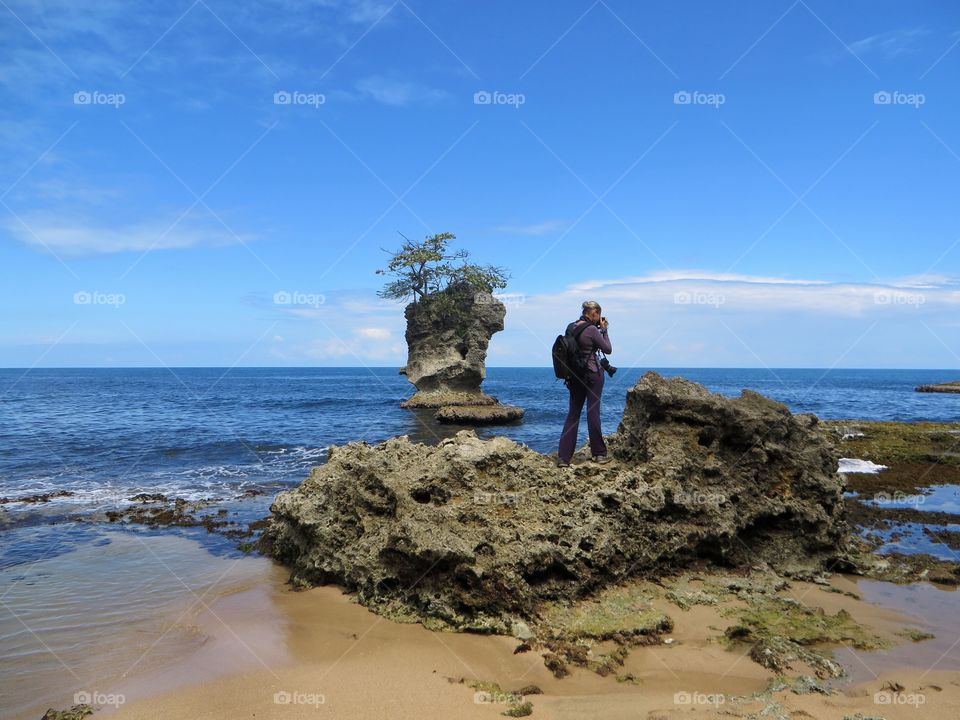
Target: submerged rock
[478,534]
[947,387]
[490,414]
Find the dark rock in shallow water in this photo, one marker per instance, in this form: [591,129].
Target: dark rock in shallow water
[490,414]
[947,387]
[478,532]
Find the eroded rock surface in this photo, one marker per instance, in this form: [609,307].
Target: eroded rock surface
[447,338]
[480,533]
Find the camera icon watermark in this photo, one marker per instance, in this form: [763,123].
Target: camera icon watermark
[96,97]
[899,498]
[99,699]
[889,697]
[696,97]
[698,698]
[95,297]
[896,97]
[297,298]
[298,698]
[511,299]
[699,497]
[493,697]
[899,297]
[697,297]
[502,497]
[486,97]
[295,97]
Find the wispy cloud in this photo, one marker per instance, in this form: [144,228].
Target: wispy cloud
[392,91]
[81,237]
[355,11]
[890,44]
[542,228]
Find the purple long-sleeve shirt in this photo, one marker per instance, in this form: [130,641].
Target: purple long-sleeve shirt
[591,340]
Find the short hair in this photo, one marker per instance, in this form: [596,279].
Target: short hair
[590,305]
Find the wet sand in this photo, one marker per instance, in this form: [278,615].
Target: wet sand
[318,654]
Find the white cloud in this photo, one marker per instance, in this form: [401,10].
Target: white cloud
[677,318]
[890,44]
[373,333]
[86,238]
[751,294]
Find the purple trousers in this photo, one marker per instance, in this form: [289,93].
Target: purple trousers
[578,395]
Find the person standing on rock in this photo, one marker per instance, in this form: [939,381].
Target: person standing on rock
[591,339]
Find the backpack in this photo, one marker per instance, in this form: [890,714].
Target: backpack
[568,363]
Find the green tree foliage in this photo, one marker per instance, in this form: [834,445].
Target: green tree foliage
[424,269]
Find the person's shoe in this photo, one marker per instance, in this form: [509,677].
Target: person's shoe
[563,463]
[601,458]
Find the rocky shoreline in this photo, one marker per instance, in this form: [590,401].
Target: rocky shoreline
[708,499]
[947,387]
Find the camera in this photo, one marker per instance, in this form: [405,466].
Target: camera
[605,364]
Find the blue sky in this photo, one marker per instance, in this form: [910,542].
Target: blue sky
[739,183]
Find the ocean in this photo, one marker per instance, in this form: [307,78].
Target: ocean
[198,433]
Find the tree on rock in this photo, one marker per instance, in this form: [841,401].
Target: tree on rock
[428,267]
[451,316]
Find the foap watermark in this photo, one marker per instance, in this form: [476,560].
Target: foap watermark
[696,97]
[889,697]
[298,299]
[486,97]
[95,297]
[97,698]
[698,698]
[899,297]
[511,299]
[496,697]
[502,497]
[698,297]
[295,97]
[899,498]
[298,698]
[896,97]
[699,497]
[96,97]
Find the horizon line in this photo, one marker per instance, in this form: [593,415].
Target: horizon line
[501,367]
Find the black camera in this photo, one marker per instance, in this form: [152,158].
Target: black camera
[605,364]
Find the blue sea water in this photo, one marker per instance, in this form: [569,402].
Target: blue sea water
[107,434]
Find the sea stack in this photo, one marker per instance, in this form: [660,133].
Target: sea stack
[447,335]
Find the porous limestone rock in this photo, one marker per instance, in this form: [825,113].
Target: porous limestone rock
[447,338]
[479,533]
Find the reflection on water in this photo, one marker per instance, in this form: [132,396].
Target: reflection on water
[933,609]
[79,619]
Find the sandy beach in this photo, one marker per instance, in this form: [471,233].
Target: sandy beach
[266,651]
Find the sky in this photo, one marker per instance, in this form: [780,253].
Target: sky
[742,183]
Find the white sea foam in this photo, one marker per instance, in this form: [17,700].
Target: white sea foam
[222,482]
[855,465]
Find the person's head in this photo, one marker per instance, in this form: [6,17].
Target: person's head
[591,311]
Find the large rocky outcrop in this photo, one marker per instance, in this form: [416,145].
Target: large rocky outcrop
[479,532]
[447,338]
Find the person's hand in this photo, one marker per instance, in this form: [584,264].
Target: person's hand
[603,323]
